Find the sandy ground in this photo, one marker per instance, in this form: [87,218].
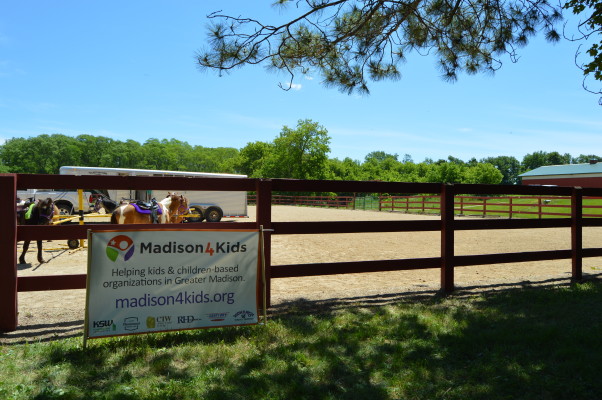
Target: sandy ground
[51,314]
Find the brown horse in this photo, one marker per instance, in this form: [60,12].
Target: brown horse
[170,210]
[40,213]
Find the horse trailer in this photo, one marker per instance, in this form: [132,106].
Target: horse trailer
[211,205]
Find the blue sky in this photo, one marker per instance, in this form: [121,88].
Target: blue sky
[126,70]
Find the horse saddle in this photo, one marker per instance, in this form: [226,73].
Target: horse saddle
[151,207]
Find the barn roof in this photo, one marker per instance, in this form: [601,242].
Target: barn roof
[568,169]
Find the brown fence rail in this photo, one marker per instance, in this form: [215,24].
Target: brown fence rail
[11,284]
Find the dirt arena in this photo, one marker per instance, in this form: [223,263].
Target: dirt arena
[46,315]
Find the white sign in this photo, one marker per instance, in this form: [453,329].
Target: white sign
[143,281]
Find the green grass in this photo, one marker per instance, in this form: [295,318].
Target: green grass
[538,343]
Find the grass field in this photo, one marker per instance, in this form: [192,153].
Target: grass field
[537,343]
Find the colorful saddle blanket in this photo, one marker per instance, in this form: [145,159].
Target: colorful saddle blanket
[147,208]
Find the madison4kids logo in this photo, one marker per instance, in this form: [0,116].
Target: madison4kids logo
[121,246]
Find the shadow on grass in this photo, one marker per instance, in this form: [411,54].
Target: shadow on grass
[536,343]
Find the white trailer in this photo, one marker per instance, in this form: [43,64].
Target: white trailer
[210,205]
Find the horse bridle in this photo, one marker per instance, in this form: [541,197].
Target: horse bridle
[182,207]
[48,216]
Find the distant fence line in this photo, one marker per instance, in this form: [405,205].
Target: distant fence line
[266,192]
[485,206]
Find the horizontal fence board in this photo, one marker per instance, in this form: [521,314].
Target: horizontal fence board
[592,252]
[490,223]
[502,258]
[288,228]
[352,267]
[292,185]
[58,232]
[50,282]
[592,221]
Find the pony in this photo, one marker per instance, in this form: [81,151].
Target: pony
[170,210]
[104,203]
[36,213]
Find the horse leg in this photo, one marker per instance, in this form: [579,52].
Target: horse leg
[40,258]
[25,248]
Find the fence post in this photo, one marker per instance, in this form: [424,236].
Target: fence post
[577,233]
[484,207]
[8,249]
[539,207]
[510,210]
[447,238]
[264,217]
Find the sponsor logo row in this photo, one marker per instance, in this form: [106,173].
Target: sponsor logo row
[132,324]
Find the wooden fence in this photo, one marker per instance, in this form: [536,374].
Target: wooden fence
[484,206]
[494,206]
[447,225]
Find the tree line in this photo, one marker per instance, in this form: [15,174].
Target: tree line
[299,153]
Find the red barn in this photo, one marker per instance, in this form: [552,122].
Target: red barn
[584,175]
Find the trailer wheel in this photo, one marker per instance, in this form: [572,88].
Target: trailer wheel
[65,208]
[214,214]
[196,211]
[73,243]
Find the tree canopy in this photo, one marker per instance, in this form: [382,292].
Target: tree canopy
[299,153]
[350,42]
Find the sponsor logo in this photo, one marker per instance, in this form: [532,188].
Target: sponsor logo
[187,319]
[131,323]
[217,316]
[244,315]
[103,326]
[121,246]
[162,321]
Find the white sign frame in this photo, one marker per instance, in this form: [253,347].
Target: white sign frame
[148,280]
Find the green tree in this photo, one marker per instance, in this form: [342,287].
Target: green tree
[43,154]
[299,153]
[583,159]
[119,154]
[93,150]
[541,158]
[251,158]
[590,27]
[350,42]
[348,170]
[380,156]
[445,173]
[382,166]
[455,160]
[15,155]
[482,173]
[509,167]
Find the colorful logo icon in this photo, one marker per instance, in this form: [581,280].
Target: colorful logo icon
[120,245]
